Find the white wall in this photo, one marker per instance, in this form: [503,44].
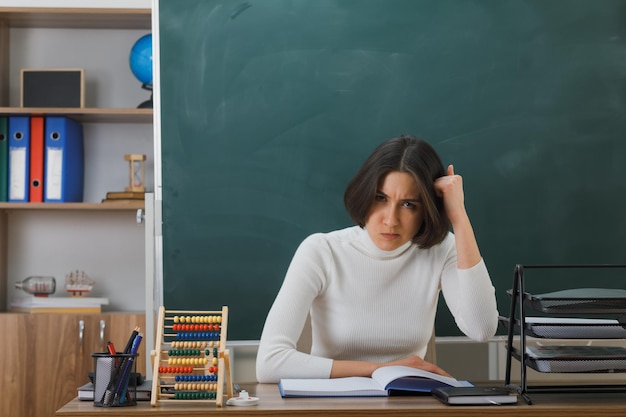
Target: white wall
[464,359]
[102,53]
[108,246]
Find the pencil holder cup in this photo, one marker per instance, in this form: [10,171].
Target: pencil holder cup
[113,385]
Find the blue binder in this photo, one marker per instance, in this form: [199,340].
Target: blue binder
[64,160]
[19,159]
[4,158]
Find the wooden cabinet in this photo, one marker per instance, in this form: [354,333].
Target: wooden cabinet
[15,374]
[48,356]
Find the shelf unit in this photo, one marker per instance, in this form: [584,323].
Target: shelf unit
[77,17]
[36,238]
[90,19]
[560,306]
[65,18]
[85,115]
[131,205]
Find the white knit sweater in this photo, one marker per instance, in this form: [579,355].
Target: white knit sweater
[368,304]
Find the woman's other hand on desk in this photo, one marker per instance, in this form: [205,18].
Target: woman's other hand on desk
[342,369]
[418,363]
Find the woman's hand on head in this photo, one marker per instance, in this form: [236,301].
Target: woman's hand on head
[415,361]
[450,188]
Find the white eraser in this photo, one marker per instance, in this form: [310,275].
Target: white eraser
[243,399]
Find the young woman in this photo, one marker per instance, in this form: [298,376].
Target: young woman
[371,290]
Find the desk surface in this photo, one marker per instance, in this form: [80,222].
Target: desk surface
[271,404]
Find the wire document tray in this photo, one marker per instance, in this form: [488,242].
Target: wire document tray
[564,358]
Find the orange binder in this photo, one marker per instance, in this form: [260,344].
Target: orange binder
[36,159]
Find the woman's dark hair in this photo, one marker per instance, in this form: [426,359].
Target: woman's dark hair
[405,154]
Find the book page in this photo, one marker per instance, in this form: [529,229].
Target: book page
[351,386]
[384,375]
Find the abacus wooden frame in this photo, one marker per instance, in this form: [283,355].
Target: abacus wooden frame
[224,373]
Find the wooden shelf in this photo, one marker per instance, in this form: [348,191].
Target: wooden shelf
[25,227]
[85,115]
[124,205]
[76,18]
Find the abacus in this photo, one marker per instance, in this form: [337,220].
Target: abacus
[190,360]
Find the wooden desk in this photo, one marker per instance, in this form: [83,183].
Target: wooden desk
[271,404]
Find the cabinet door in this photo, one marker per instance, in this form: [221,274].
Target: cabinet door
[62,353]
[15,373]
[56,359]
[92,338]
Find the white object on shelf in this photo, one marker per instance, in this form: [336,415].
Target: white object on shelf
[59,302]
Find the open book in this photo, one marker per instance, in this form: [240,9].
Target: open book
[384,381]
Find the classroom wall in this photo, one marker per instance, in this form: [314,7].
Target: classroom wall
[464,359]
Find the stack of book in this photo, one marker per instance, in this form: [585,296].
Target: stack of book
[124,197]
[143,391]
[59,304]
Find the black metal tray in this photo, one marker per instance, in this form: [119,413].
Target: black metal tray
[578,301]
[569,328]
[576,359]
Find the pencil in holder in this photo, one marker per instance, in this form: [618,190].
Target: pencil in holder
[113,385]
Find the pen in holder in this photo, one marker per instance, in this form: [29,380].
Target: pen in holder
[113,385]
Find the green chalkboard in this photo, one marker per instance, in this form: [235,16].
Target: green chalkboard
[269,106]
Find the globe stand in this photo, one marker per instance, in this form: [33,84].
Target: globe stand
[148,103]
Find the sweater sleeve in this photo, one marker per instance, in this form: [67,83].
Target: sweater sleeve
[470,296]
[277,356]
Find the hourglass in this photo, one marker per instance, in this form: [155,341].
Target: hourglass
[136,171]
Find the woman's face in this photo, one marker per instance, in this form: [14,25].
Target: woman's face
[396,213]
